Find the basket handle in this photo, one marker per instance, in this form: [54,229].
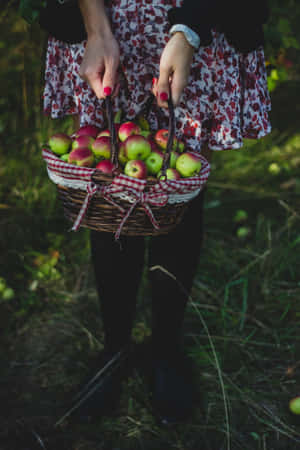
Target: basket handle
[113,134]
[145,112]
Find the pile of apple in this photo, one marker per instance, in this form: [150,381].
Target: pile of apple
[140,154]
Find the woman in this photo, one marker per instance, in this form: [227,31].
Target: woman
[209,56]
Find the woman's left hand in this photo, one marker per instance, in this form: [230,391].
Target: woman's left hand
[174,70]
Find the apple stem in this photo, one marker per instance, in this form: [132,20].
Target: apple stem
[112,129]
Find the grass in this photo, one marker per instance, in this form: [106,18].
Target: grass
[242,321]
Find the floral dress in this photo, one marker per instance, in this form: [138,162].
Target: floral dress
[225,101]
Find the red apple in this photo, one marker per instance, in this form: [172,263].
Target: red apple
[137,147]
[60,143]
[122,155]
[81,157]
[154,162]
[101,147]
[88,130]
[161,139]
[188,164]
[83,141]
[136,168]
[103,133]
[171,174]
[106,166]
[127,129]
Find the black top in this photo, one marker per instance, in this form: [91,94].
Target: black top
[241,21]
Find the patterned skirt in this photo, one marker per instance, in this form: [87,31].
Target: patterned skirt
[226,98]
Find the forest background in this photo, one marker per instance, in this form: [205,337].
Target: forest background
[242,324]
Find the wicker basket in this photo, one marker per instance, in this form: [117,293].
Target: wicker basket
[122,204]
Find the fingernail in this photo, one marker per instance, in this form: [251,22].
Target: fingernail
[154,81]
[164,96]
[107,90]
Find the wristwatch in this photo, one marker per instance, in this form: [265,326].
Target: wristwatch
[190,35]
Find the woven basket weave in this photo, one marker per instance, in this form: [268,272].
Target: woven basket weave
[121,204]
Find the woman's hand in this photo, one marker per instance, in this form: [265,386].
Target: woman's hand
[174,70]
[100,64]
[101,57]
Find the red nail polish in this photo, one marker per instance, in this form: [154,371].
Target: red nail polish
[107,90]
[164,96]
[154,80]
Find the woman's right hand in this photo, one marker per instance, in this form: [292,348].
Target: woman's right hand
[100,65]
[101,57]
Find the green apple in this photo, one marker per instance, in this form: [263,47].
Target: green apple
[294,405]
[137,147]
[60,143]
[154,162]
[188,164]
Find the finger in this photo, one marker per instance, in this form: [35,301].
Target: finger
[109,79]
[154,86]
[95,83]
[179,82]
[163,87]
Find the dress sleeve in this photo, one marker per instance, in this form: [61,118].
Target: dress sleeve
[198,15]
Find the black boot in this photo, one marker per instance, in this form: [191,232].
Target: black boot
[172,375]
[118,269]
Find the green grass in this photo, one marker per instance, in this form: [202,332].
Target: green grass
[242,321]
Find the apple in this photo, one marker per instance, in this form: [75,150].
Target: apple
[161,139]
[65,157]
[127,129]
[117,116]
[294,405]
[102,147]
[145,133]
[171,174]
[137,147]
[88,130]
[122,155]
[136,168]
[106,166]
[143,123]
[154,162]
[60,143]
[83,141]
[81,157]
[173,159]
[188,164]
[103,133]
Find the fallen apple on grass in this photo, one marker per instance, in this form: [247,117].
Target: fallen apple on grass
[294,405]
[136,168]
[83,157]
[60,143]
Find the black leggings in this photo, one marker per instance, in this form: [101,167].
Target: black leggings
[118,270]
